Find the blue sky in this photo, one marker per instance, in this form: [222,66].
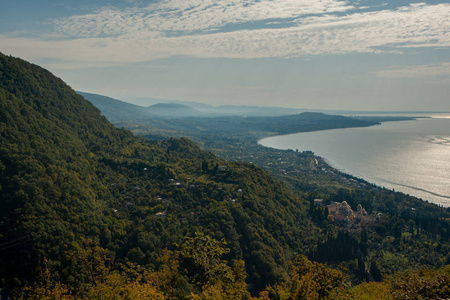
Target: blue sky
[327,54]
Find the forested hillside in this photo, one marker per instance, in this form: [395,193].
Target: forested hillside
[67,174]
[90,211]
[398,232]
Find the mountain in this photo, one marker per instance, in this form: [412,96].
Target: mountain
[194,108]
[172,110]
[115,109]
[136,107]
[69,178]
[255,111]
[151,101]
[82,203]
[174,119]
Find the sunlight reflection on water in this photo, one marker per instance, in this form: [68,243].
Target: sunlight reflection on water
[440,116]
[410,156]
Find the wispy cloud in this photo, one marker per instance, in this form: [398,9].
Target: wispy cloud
[201,29]
[192,16]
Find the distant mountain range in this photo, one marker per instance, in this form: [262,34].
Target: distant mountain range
[152,107]
[177,119]
[177,109]
[173,110]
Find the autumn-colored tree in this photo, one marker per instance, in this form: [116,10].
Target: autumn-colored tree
[215,280]
[126,281]
[91,259]
[45,288]
[168,277]
[205,253]
[372,291]
[236,289]
[421,284]
[116,286]
[310,281]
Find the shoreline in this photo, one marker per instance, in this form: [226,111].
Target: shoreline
[435,198]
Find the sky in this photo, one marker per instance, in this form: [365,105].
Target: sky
[317,54]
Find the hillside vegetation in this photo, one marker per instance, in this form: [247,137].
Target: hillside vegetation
[91,211]
[67,173]
[398,232]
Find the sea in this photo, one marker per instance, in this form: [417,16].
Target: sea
[412,157]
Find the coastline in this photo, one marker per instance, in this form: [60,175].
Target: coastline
[424,194]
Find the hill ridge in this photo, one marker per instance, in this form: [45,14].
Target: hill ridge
[66,173]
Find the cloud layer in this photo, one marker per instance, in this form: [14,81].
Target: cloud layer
[235,29]
[442,69]
[189,16]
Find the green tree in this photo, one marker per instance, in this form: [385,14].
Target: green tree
[205,253]
[91,260]
[215,280]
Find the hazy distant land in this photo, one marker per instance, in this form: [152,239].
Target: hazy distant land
[211,126]
[79,194]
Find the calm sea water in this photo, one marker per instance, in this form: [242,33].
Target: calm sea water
[409,156]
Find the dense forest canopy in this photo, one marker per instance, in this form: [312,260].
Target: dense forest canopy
[68,173]
[85,207]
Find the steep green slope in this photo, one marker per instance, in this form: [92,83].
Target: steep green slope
[67,173]
[47,182]
[115,110]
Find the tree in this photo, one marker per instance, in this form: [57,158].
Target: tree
[205,166]
[375,271]
[206,252]
[372,291]
[92,260]
[45,288]
[310,280]
[215,279]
